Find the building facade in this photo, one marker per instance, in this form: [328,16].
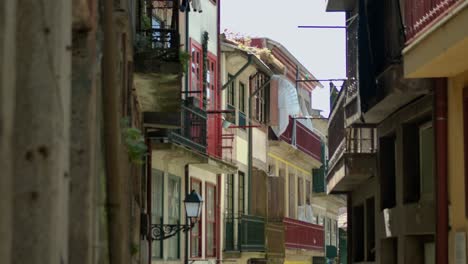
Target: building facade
[390,154]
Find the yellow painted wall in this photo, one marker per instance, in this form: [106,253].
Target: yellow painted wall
[456,170]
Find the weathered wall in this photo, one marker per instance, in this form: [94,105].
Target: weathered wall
[405,218]
[7,106]
[456,167]
[42,131]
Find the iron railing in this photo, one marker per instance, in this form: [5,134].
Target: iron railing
[194,127]
[250,233]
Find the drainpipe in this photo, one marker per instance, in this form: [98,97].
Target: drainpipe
[112,139]
[187,175]
[218,125]
[440,114]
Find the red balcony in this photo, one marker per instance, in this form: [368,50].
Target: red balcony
[420,14]
[302,235]
[306,140]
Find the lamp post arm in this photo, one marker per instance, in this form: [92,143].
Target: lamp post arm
[162,232]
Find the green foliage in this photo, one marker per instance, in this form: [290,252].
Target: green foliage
[184,58]
[134,141]
[134,248]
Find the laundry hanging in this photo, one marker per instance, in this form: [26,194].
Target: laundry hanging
[196,5]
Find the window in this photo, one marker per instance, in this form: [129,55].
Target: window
[210,220]
[173,196]
[259,110]
[229,216]
[242,97]
[241,193]
[292,193]
[300,191]
[418,155]
[387,171]
[196,72]
[370,232]
[231,92]
[358,233]
[308,192]
[157,184]
[335,233]
[426,158]
[195,234]
[327,231]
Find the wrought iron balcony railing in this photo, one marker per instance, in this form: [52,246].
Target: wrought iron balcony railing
[250,233]
[194,126]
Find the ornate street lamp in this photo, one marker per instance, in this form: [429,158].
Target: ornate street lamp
[193,205]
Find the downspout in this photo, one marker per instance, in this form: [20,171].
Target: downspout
[249,142]
[187,175]
[187,49]
[148,195]
[112,138]
[218,125]
[440,114]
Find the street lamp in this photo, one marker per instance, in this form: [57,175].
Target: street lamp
[193,205]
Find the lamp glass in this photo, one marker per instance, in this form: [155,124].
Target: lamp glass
[193,209]
[193,204]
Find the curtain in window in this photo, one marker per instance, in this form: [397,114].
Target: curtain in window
[157,183]
[173,215]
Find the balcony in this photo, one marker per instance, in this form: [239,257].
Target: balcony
[376,86]
[302,235]
[301,137]
[435,38]
[157,67]
[354,159]
[421,14]
[192,133]
[250,233]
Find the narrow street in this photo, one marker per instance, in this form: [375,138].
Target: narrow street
[233,132]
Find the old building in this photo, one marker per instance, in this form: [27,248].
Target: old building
[436,47]
[384,130]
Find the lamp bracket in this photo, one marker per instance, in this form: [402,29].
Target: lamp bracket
[162,232]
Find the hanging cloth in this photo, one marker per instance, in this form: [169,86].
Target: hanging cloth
[196,5]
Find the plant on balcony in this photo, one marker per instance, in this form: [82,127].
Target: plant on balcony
[184,58]
[134,141]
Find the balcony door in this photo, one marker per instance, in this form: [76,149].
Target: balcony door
[214,123]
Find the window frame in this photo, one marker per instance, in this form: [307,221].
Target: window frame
[241,193]
[231,92]
[200,226]
[213,221]
[178,179]
[155,173]
[196,47]
[242,92]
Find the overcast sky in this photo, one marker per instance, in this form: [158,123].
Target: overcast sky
[322,51]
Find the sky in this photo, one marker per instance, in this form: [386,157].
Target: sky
[321,51]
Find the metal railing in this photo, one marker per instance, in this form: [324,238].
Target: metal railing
[194,127]
[250,233]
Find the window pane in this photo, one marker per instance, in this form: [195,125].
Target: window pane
[157,184]
[241,193]
[174,215]
[426,160]
[195,240]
